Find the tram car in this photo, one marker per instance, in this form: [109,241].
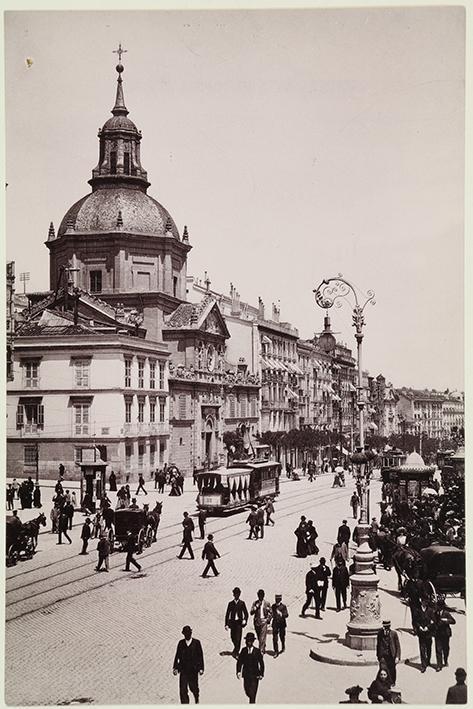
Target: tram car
[241,484]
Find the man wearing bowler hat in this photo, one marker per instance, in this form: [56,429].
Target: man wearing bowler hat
[388,649]
[250,664]
[353,695]
[189,664]
[236,618]
[458,693]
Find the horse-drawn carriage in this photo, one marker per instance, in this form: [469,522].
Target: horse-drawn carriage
[436,570]
[21,539]
[141,523]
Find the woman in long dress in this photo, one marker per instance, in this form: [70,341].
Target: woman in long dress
[301,534]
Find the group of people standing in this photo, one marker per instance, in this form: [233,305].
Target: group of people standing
[306,535]
[27,492]
[256,518]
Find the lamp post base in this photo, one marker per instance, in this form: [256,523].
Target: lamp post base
[365,612]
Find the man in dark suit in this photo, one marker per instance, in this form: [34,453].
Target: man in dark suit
[388,649]
[458,693]
[189,663]
[250,664]
[210,553]
[279,615]
[311,591]
[130,548]
[236,618]
[343,534]
[85,535]
[187,529]
[425,626]
[442,634]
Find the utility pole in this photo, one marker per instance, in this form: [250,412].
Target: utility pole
[37,460]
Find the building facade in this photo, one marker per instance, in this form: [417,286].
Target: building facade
[81,383]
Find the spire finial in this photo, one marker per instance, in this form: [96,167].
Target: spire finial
[119,109]
[119,219]
[185,235]
[51,233]
[119,51]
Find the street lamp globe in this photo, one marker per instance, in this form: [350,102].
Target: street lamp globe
[326,340]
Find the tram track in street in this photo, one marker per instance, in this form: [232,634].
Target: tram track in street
[287,509]
[175,525]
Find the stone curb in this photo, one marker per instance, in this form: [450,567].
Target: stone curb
[365,659]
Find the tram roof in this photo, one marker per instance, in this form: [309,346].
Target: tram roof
[224,472]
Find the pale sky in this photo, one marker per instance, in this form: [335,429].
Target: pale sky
[294,144]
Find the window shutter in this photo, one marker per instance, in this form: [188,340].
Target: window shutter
[19,416]
[40,416]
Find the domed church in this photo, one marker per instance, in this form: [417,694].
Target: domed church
[123,242]
[113,358]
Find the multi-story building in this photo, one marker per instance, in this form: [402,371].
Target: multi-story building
[280,373]
[453,413]
[86,380]
[305,356]
[383,400]
[421,411]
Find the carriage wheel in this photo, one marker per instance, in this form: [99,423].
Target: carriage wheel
[29,549]
[432,593]
[111,539]
[12,556]
[141,541]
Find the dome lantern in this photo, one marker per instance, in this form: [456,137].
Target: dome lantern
[119,146]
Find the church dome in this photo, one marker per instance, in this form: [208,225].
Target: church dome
[118,209]
[119,123]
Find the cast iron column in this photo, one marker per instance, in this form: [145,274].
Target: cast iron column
[365,607]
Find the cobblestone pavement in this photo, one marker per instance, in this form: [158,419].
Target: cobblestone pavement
[111,638]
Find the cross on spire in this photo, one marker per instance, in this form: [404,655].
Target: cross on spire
[119,51]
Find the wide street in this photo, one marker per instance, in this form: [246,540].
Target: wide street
[110,638]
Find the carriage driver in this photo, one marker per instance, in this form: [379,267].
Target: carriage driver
[401,537]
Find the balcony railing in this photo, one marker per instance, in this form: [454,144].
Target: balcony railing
[146,429]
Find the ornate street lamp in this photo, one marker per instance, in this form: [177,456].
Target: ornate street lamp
[365,616]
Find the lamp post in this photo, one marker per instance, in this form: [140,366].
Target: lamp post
[365,608]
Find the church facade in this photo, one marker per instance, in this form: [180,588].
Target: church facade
[155,384]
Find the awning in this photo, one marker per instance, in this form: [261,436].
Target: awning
[291,394]
[373,426]
[335,397]
[297,369]
[265,364]
[351,387]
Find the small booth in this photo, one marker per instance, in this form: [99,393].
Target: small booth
[409,480]
[92,480]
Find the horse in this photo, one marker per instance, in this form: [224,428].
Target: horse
[154,518]
[31,528]
[408,563]
[386,547]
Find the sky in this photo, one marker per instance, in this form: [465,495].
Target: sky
[294,144]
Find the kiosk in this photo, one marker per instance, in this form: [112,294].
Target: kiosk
[92,480]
